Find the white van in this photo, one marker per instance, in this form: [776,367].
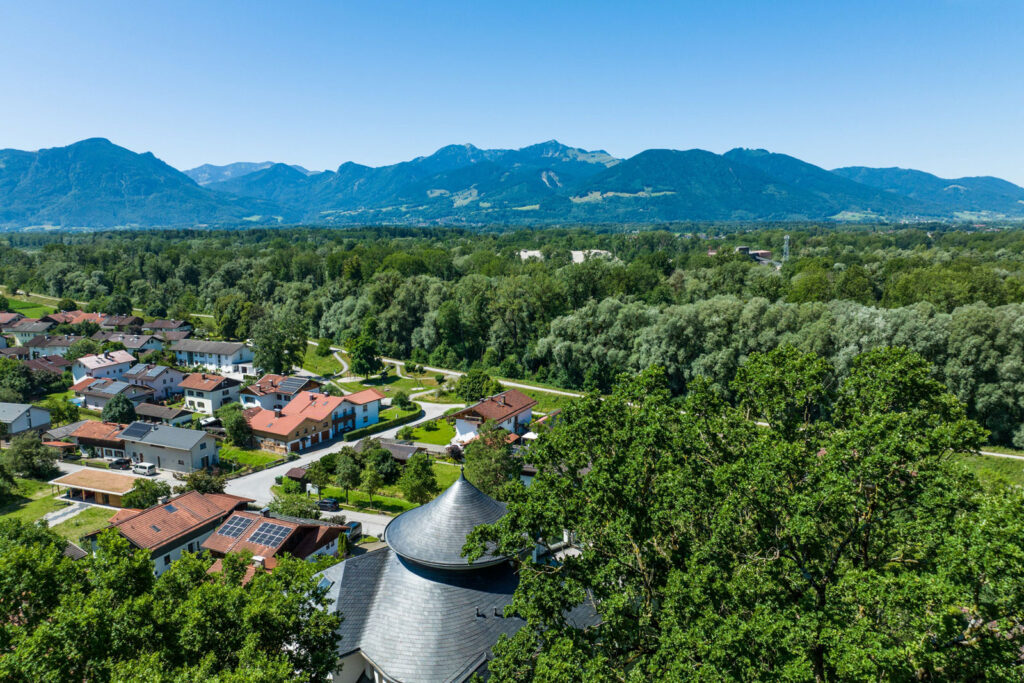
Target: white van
[146,468]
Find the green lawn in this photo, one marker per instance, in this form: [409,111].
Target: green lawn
[247,458]
[441,436]
[29,309]
[325,366]
[393,413]
[85,522]
[992,470]
[391,384]
[31,501]
[547,402]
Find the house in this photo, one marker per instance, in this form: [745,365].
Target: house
[92,485]
[312,418]
[3,342]
[9,318]
[163,380]
[26,329]
[172,448]
[176,417]
[180,525]
[121,322]
[16,352]
[511,410]
[19,418]
[109,364]
[400,451]
[416,609]
[50,345]
[205,393]
[55,364]
[171,336]
[95,393]
[136,343]
[167,326]
[272,392]
[226,357]
[101,438]
[74,317]
[268,536]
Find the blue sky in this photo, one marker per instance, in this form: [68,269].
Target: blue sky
[936,85]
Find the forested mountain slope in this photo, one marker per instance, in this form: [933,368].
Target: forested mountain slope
[95,183]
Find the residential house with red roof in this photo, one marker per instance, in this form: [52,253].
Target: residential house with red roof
[312,418]
[102,438]
[55,364]
[268,536]
[511,410]
[206,392]
[180,525]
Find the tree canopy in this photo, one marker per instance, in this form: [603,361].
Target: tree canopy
[107,618]
[809,530]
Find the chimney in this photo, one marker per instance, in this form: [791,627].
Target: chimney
[258,561]
[312,396]
[265,512]
[277,412]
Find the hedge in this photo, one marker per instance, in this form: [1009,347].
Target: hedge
[381,426]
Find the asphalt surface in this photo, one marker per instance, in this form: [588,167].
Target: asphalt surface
[257,485]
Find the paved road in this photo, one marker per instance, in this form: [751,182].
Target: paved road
[1002,455]
[257,485]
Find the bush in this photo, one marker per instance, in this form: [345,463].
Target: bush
[278,479]
[439,378]
[405,433]
[381,426]
[401,400]
[292,455]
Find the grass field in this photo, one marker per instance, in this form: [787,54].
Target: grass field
[247,458]
[547,402]
[393,413]
[83,523]
[994,471]
[31,501]
[29,309]
[325,366]
[391,384]
[441,436]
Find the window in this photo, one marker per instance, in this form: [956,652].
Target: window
[190,547]
[202,445]
[366,408]
[181,462]
[167,559]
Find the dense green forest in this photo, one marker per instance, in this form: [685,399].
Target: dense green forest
[459,298]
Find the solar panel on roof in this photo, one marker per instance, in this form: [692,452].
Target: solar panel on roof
[291,385]
[270,535]
[234,527]
[136,430]
[116,387]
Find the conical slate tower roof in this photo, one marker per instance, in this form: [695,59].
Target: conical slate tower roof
[433,534]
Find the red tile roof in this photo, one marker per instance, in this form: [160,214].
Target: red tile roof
[364,396]
[313,405]
[100,431]
[302,539]
[269,422]
[497,408]
[205,381]
[157,526]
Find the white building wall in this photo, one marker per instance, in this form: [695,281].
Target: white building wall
[163,561]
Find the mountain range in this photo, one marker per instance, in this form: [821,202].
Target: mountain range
[95,183]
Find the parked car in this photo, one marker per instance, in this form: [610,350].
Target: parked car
[145,468]
[353,531]
[120,464]
[329,504]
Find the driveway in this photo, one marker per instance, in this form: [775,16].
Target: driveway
[257,485]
